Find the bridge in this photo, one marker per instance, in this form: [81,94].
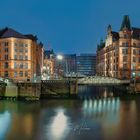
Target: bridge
[101,80]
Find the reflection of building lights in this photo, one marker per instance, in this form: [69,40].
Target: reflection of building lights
[5,119]
[90,104]
[99,106]
[59,126]
[85,104]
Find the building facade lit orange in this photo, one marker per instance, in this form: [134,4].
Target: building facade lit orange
[19,56]
[119,55]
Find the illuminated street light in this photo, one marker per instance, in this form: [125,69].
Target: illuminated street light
[59,57]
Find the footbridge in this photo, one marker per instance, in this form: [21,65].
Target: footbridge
[97,80]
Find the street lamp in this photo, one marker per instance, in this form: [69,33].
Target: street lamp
[59,58]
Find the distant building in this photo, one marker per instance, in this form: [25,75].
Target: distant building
[86,64]
[21,57]
[119,55]
[69,63]
[49,64]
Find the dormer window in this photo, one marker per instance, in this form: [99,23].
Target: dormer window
[125,36]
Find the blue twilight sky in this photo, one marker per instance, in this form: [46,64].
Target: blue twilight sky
[68,26]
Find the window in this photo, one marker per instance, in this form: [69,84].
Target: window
[134,44]
[124,66]
[125,36]
[6,65]
[21,73]
[6,43]
[126,44]
[15,49]
[124,58]
[21,45]
[134,59]
[26,57]
[134,52]
[15,65]
[6,74]
[15,57]
[26,74]
[15,44]
[117,59]
[26,45]
[21,50]
[139,52]
[125,51]
[6,49]
[26,51]
[21,65]
[21,57]
[6,57]
[139,59]
[15,74]
[26,65]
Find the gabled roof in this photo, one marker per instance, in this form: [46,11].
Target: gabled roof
[8,32]
[136,33]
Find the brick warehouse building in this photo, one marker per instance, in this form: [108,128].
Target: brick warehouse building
[21,56]
[119,55]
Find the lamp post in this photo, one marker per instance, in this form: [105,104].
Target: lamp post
[59,58]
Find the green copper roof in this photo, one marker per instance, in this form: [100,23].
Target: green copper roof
[126,23]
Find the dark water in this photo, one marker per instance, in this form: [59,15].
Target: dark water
[107,118]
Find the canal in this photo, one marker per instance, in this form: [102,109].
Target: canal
[100,114]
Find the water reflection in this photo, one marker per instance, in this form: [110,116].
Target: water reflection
[5,121]
[103,118]
[101,106]
[58,127]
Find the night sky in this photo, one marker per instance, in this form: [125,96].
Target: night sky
[68,26]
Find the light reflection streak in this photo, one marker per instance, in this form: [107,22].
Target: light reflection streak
[59,127]
[99,106]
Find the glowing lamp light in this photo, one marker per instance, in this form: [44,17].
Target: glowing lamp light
[134,74]
[59,57]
